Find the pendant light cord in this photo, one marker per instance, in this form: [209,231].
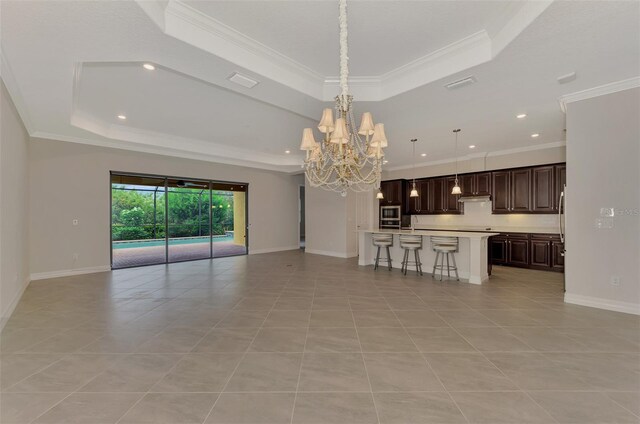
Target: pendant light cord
[456,131]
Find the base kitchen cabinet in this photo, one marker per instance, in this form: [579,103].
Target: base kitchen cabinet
[523,250]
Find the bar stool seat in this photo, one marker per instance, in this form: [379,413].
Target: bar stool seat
[445,246]
[411,243]
[382,241]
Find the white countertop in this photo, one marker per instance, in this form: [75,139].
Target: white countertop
[463,234]
[490,228]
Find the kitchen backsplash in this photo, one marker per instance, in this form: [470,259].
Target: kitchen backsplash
[479,214]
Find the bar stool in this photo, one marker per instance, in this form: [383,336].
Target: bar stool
[445,246]
[411,243]
[386,241]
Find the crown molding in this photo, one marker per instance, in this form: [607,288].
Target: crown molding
[480,155]
[7,76]
[601,90]
[188,24]
[164,151]
[183,22]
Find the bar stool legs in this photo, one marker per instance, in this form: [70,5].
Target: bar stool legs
[445,256]
[388,259]
[405,261]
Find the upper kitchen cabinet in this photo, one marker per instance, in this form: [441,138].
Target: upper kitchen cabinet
[543,188]
[423,204]
[443,201]
[511,191]
[451,200]
[501,193]
[478,184]
[393,192]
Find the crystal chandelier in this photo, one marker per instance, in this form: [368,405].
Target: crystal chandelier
[346,159]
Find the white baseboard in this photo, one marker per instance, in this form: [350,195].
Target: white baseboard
[272,250]
[330,253]
[597,302]
[68,272]
[12,307]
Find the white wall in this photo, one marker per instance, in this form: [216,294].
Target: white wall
[71,181]
[603,171]
[330,223]
[14,208]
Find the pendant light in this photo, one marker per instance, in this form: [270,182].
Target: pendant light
[456,186]
[414,192]
[379,195]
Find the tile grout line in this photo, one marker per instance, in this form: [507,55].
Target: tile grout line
[373,398]
[304,350]
[426,361]
[244,354]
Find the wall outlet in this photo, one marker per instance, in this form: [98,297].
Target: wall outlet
[615,280]
[75,256]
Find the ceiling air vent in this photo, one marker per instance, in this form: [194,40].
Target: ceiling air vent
[243,80]
[461,82]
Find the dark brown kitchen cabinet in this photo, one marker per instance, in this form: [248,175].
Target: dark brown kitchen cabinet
[478,184]
[452,206]
[498,252]
[543,189]
[557,255]
[536,251]
[540,253]
[443,201]
[393,192]
[501,197]
[423,203]
[439,188]
[511,191]
[520,186]
[518,251]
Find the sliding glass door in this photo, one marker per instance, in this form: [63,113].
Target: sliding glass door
[156,219]
[189,224]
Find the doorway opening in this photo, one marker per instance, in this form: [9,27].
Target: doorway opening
[157,219]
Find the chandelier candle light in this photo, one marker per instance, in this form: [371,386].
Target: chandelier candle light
[344,160]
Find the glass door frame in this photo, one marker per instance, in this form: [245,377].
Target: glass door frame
[166,179]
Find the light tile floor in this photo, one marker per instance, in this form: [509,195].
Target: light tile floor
[298,338]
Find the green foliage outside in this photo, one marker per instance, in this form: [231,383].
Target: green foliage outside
[132,213]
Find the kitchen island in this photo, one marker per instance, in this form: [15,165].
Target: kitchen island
[471,258]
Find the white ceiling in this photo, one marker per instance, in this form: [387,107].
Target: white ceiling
[307,31]
[71,67]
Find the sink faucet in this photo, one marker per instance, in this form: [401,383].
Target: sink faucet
[413,226]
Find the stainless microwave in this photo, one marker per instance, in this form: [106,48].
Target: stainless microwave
[390,217]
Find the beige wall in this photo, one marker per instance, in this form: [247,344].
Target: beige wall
[603,171]
[330,223]
[71,181]
[14,208]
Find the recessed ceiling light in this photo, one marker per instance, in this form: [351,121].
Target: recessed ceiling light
[122,117]
[423,154]
[385,161]
[473,146]
[148,67]
[535,135]
[522,115]
[287,151]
